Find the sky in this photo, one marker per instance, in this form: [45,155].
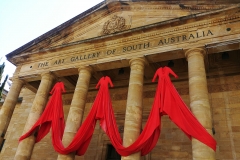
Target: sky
[24,20]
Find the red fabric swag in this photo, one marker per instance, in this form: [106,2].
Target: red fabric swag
[170,103]
[167,101]
[52,113]
[98,111]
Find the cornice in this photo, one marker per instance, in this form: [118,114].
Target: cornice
[56,30]
[172,7]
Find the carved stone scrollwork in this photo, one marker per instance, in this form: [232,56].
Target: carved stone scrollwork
[115,24]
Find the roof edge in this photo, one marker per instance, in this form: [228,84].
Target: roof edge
[55,30]
[100,5]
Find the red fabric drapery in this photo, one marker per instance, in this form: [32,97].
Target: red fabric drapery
[171,104]
[53,112]
[166,101]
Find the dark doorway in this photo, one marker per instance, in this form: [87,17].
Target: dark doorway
[112,153]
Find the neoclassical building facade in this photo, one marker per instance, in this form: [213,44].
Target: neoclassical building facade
[128,41]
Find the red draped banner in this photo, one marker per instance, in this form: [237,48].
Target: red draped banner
[167,101]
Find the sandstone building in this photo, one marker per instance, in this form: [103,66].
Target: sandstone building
[128,40]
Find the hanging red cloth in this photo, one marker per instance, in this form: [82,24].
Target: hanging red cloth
[147,139]
[172,105]
[145,142]
[53,117]
[102,110]
[99,111]
[53,112]
[167,101]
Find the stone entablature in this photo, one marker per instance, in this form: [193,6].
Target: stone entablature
[127,51]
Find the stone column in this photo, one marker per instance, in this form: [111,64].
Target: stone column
[25,147]
[199,102]
[133,117]
[75,114]
[9,105]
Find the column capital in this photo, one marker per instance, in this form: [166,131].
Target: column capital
[194,51]
[88,68]
[139,60]
[48,75]
[16,79]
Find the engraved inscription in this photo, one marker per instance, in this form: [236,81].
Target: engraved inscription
[145,45]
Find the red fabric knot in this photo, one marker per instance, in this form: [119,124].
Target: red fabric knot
[104,81]
[163,72]
[59,86]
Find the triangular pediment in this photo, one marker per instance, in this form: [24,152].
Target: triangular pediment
[111,18]
[129,16]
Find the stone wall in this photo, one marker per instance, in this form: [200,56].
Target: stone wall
[225,102]
[16,125]
[224,93]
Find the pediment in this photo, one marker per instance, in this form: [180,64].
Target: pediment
[133,15]
[112,18]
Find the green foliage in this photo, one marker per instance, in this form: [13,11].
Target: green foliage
[5,80]
[1,70]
